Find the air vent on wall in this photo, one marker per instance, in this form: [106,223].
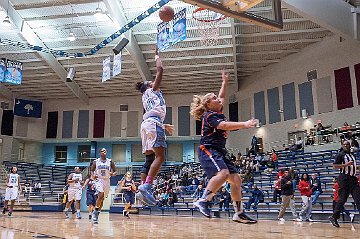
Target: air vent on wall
[4,105]
[312,75]
[124,107]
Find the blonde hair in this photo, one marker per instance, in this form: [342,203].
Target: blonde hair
[199,105]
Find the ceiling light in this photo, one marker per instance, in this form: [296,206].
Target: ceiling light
[71,37]
[7,20]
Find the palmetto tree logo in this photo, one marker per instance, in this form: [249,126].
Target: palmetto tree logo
[28,107]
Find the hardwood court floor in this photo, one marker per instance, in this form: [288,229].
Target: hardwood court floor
[53,225]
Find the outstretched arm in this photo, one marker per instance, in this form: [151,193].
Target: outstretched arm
[223,90]
[228,125]
[113,167]
[159,71]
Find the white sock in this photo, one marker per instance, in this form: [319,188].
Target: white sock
[238,206]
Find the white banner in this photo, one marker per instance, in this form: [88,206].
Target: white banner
[106,69]
[117,65]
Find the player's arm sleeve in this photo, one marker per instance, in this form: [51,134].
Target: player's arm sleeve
[214,120]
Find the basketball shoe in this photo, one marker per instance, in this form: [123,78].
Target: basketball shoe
[147,193]
[243,218]
[203,206]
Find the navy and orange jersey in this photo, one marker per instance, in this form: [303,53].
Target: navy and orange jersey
[210,135]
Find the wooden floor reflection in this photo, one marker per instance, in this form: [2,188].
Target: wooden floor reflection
[53,225]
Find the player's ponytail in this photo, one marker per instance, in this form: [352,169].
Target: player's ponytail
[198,106]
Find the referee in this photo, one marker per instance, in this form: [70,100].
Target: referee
[348,182]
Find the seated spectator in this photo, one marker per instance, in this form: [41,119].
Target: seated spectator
[248,179]
[257,196]
[354,145]
[172,198]
[198,192]
[309,139]
[193,183]
[274,156]
[27,187]
[224,199]
[277,190]
[345,130]
[315,187]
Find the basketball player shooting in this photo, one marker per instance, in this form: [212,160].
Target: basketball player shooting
[152,132]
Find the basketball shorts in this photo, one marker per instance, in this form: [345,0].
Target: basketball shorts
[74,194]
[11,193]
[129,197]
[152,135]
[213,161]
[102,186]
[91,198]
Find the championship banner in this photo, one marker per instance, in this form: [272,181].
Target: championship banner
[106,69]
[27,108]
[163,37]
[179,27]
[117,65]
[13,72]
[2,69]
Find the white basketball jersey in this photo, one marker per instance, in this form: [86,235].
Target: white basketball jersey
[76,184]
[13,180]
[154,104]
[103,168]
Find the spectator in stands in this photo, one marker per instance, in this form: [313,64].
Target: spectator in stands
[193,184]
[254,146]
[319,131]
[315,183]
[309,139]
[27,187]
[172,198]
[336,198]
[277,190]
[287,193]
[345,129]
[257,196]
[37,186]
[274,156]
[280,173]
[198,192]
[225,199]
[294,177]
[248,179]
[305,191]
[354,145]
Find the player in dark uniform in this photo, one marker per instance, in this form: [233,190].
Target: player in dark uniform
[212,151]
[128,187]
[90,194]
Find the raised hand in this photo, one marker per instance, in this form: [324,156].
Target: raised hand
[250,123]
[169,128]
[225,75]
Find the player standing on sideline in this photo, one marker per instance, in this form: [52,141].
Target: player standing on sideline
[128,187]
[102,169]
[13,188]
[74,192]
[348,182]
[212,151]
[90,194]
[152,131]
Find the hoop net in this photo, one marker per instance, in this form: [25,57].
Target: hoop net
[208,24]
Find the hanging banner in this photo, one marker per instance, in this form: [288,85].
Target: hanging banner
[117,64]
[163,36]
[106,69]
[2,69]
[27,108]
[179,27]
[13,72]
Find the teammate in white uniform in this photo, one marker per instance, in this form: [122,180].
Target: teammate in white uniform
[13,188]
[102,169]
[152,131]
[74,192]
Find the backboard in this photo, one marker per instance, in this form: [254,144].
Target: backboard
[238,9]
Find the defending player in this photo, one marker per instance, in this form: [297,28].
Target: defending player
[128,187]
[13,188]
[74,192]
[212,150]
[152,131]
[90,194]
[102,169]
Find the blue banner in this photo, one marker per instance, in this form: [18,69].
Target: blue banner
[163,36]
[2,69]
[117,64]
[179,27]
[106,69]
[13,72]
[27,108]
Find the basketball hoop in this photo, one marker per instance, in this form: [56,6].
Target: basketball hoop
[208,23]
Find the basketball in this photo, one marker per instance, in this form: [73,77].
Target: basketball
[166,13]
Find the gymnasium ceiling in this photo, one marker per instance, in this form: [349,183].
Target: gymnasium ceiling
[189,67]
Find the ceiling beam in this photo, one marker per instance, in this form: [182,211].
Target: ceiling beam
[334,15]
[52,4]
[63,16]
[117,12]
[33,39]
